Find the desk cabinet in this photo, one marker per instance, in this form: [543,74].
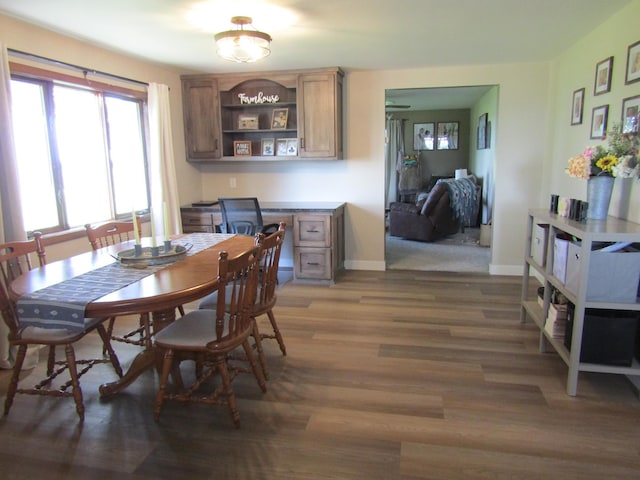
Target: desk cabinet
[609,230]
[317,230]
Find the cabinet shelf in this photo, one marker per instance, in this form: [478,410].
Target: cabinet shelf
[609,230]
[250,106]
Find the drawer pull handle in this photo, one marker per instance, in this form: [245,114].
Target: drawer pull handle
[313,263]
[312,231]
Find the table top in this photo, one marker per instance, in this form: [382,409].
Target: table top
[181,282]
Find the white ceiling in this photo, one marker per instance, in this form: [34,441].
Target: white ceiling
[352,34]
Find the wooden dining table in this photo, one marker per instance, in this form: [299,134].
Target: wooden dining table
[158,294]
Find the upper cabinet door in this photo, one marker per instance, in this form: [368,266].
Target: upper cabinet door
[320,115]
[201,118]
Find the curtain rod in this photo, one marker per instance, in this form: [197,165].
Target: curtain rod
[84,70]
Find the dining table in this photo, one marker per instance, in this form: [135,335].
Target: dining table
[156,290]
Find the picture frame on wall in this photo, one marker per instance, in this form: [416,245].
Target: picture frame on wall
[599,117]
[482,131]
[423,136]
[281,146]
[242,148]
[279,118]
[447,138]
[577,106]
[632,73]
[602,82]
[631,114]
[268,146]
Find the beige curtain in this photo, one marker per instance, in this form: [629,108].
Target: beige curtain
[164,189]
[394,152]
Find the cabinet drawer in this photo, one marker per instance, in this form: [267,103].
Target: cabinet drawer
[313,263]
[194,218]
[312,231]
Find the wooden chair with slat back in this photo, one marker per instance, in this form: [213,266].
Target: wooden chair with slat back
[15,260]
[112,233]
[211,335]
[266,296]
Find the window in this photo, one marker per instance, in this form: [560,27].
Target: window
[81,154]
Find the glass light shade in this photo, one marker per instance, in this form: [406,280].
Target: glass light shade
[243,46]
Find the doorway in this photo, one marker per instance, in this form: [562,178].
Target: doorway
[472,110]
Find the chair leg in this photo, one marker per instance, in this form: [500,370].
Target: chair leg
[221,365]
[181,310]
[276,331]
[164,378]
[261,356]
[257,372]
[15,376]
[106,346]
[112,321]
[51,360]
[75,384]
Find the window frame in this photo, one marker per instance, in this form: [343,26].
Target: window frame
[47,80]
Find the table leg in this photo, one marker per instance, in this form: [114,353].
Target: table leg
[146,359]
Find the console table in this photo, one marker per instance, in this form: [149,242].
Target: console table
[317,230]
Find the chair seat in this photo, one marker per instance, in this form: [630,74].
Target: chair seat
[44,336]
[191,332]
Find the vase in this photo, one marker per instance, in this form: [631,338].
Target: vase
[599,191]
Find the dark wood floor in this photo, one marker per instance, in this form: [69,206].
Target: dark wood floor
[390,375]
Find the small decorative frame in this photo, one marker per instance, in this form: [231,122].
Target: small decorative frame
[247,122]
[577,107]
[279,118]
[423,136]
[631,114]
[599,117]
[268,146]
[633,64]
[602,82]
[292,146]
[482,131]
[448,136]
[242,148]
[281,146]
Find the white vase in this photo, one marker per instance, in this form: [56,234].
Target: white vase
[599,191]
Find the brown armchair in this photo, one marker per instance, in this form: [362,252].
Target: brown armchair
[435,218]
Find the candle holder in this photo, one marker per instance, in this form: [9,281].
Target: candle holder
[167,246]
[155,251]
[137,250]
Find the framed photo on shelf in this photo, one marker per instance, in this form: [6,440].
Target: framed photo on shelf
[599,121]
[633,64]
[292,146]
[242,148]
[281,146]
[279,118]
[247,122]
[482,131]
[268,146]
[447,136]
[602,83]
[577,106]
[423,136]
[631,114]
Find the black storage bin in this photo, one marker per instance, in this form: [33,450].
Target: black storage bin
[608,336]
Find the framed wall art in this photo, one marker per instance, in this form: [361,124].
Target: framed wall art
[599,121]
[577,106]
[482,131]
[633,64]
[242,148]
[423,136]
[281,146]
[292,146]
[247,122]
[447,136]
[602,82]
[268,146]
[279,118]
[631,114]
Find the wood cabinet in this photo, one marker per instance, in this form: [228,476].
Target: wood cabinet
[220,110]
[316,228]
[540,261]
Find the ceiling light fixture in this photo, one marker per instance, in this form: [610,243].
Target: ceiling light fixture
[243,46]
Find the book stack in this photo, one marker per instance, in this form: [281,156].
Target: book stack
[556,322]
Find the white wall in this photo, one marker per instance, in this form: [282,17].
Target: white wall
[574,69]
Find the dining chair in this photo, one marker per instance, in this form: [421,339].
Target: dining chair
[13,261]
[210,336]
[266,297]
[112,233]
[243,216]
